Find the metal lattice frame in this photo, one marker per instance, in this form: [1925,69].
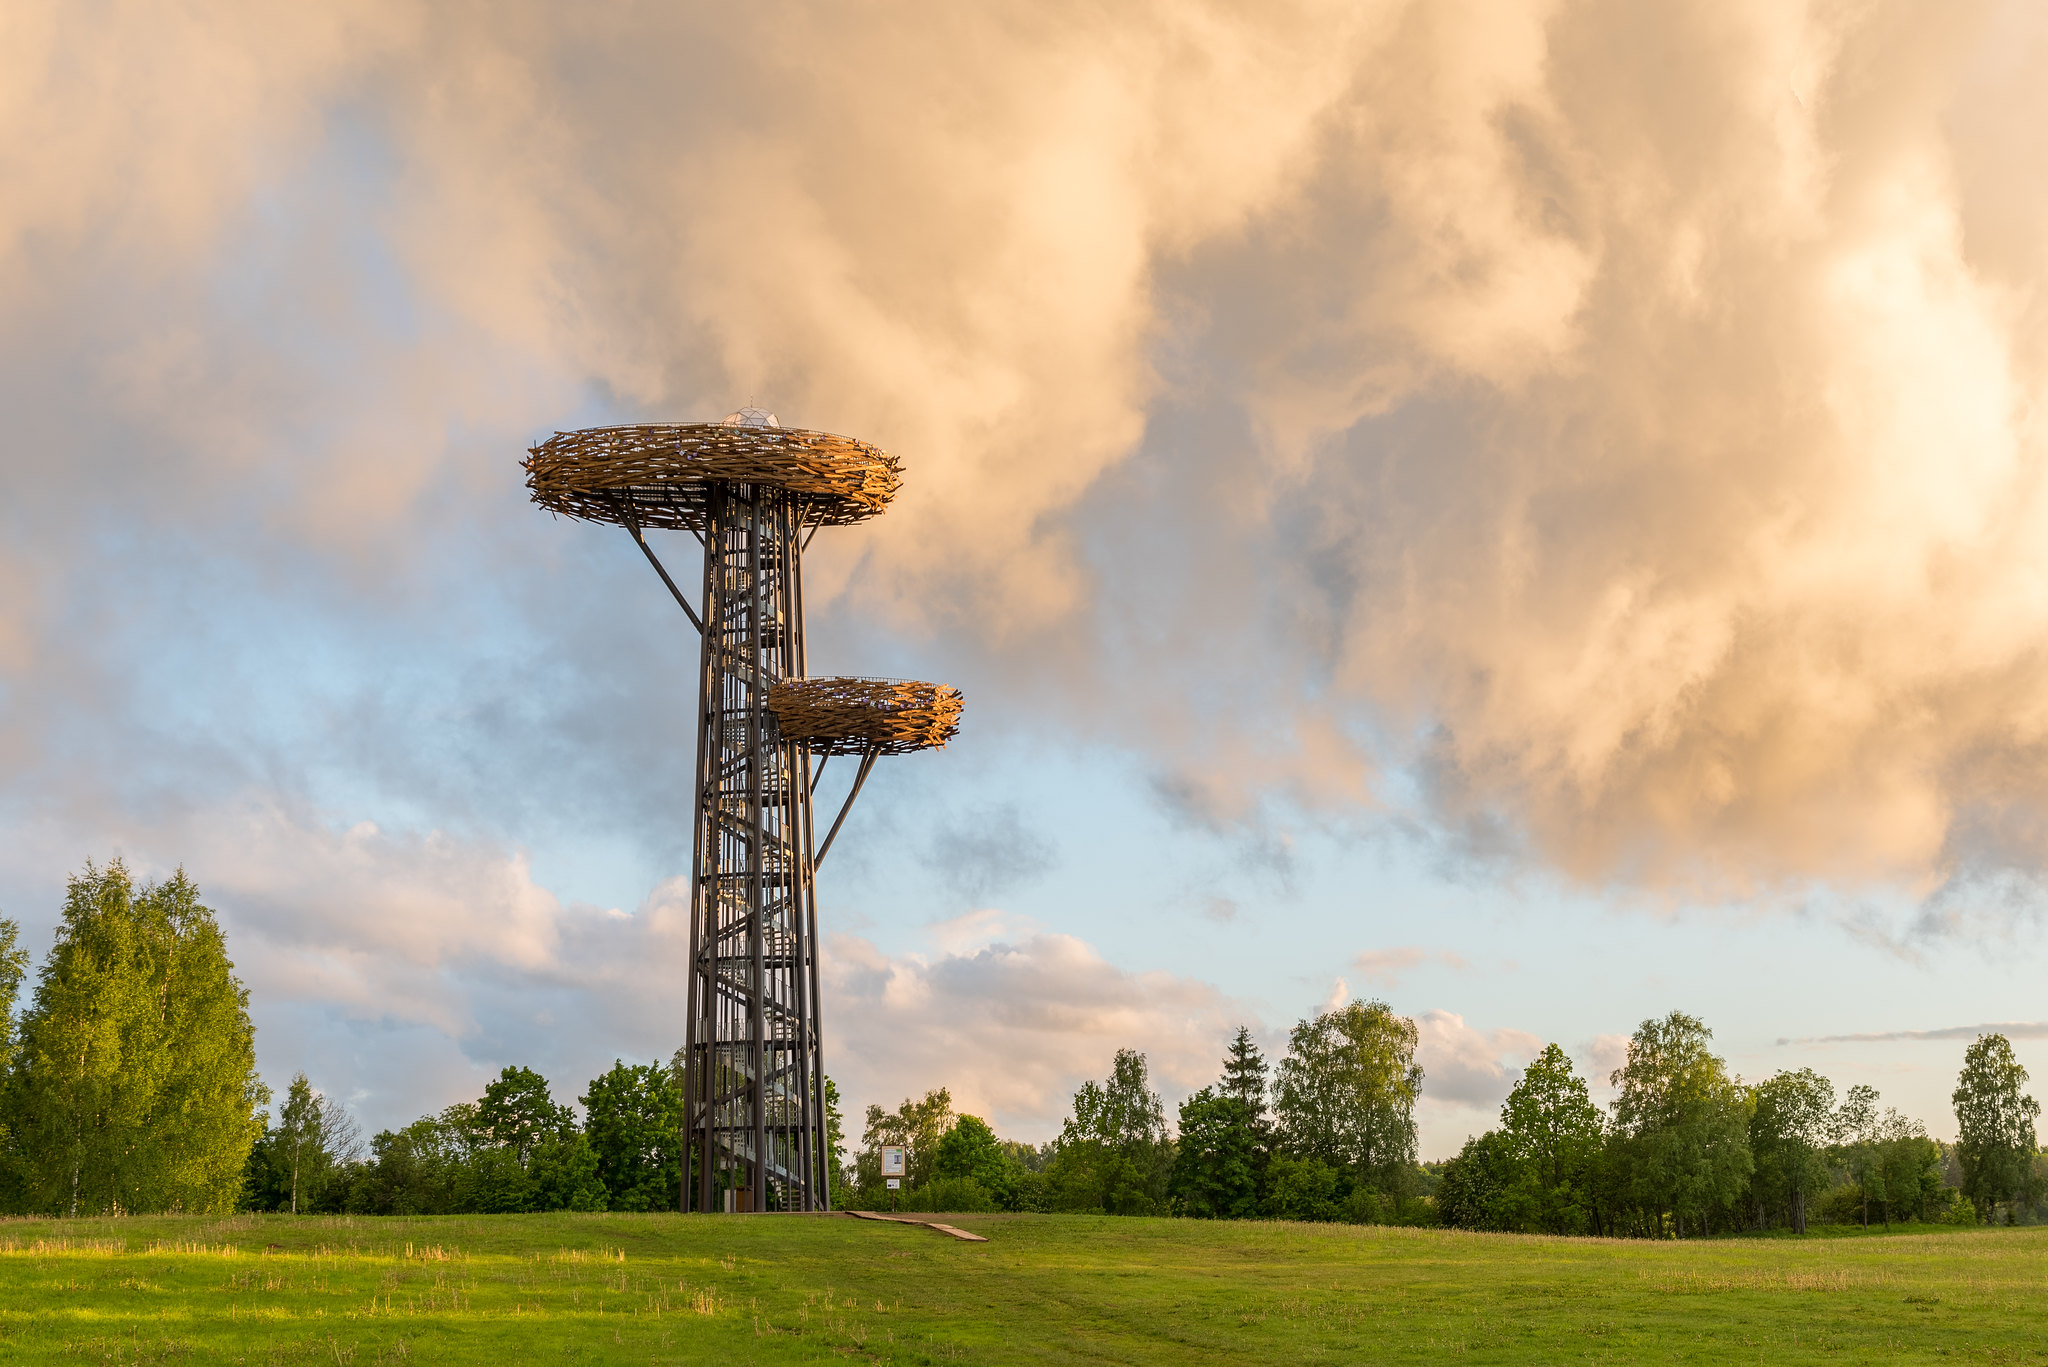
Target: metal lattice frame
[756,1112]
[754,494]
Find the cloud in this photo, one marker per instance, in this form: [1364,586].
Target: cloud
[1605,432]
[363,946]
[1604,1056]
[1387,967]
[1595,438]
[1467,1067]
[1013,1022]
[2010,1029]
[988,850]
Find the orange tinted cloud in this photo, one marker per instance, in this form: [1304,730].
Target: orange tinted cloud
[1621,420]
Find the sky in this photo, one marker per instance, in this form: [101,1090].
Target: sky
[1534,513]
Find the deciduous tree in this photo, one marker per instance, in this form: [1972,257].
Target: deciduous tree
[1995,1140]
[1113,1153]
[516,1112]
[1683,1125]
[135,1085]
[1345,1094]
[1555,1132]
[917,1126]
[633,1119]
[1790,1127]
[293,1163]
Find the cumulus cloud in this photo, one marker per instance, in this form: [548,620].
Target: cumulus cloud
[1596,437]
[1617,422]
[1463,1066]
[1013,1019]
[402,971]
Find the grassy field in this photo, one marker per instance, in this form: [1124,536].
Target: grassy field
[1045,1289]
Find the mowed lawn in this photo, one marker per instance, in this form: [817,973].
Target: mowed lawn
[1044,1289]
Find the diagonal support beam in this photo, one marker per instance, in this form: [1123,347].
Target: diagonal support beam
[633,526]
[867,762]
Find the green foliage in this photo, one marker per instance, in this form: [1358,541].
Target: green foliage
[1301,1188]
[492,1180]
[1113,1154]
[970,1150]
[944,1192]
[1790,1123]
[134,1086]
[633,1118]
[1216,1161]
[1476,1190]
[1995,1140]
[566,1177]
[835,1126]
[917,1126]
[1889,1161]
[446,1165]
[413,1171]
[1682,1129]
[13,968]
[292,1166]
[516,1112]
[1029,1157]
[1345,1094]
[1244,1076]
[1555,1134]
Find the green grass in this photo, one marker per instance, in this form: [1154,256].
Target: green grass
[1045,1289]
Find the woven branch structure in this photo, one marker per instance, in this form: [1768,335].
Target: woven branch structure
[662,472]
[851,716]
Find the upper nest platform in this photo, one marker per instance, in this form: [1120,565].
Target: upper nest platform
[661,471]
[849,716]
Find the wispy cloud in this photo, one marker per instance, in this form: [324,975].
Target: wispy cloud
[2010,1029]
[1386,967]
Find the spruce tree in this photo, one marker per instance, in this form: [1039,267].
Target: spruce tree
[1244,1075]
[135,1084]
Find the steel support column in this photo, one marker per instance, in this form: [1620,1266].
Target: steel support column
[756,1114]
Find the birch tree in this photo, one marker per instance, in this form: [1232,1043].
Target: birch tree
[135,1084]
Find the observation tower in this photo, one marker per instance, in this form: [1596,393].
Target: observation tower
[753,493]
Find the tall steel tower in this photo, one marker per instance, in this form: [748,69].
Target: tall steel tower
[753,493]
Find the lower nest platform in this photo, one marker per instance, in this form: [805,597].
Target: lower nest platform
[850,716]
[659,474]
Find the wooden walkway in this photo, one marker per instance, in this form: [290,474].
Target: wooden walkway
[956,1232]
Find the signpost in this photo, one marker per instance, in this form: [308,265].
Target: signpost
[892,1170]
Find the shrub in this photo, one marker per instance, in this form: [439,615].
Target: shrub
[962,1194]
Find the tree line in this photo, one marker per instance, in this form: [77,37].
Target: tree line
[128,1083]
[1685,1149]
[1688,1148]
[1327,1134]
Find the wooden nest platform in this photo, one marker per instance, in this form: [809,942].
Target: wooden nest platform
[658,474]
[851,716]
